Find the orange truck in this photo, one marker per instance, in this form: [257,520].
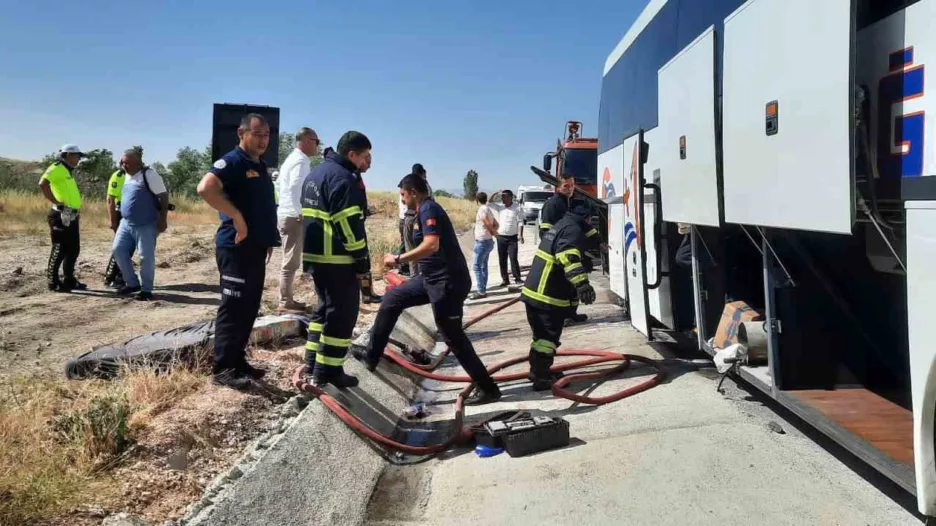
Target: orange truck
[576,155]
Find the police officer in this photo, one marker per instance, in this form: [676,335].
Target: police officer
[239,187]
[557,280]
[554,209]
[443,281]
[112,276]
[335,251]
[59,187]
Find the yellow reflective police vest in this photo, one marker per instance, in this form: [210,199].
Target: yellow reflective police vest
[63,185]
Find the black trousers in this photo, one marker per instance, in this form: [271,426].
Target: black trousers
[336,313]
[112,274]
[243,269]
[447,299]
[66,245]
[404,267]
[547,327]
[507,247]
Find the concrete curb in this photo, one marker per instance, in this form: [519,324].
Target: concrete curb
[309,468]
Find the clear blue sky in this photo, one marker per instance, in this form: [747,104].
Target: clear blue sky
[486,85]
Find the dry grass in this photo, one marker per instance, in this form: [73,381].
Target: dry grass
[24,213]
[61,438]
[383,235]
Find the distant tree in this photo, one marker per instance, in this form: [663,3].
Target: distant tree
[442,193]
[287,143]
[470,185]
[187,170]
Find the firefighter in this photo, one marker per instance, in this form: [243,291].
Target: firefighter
[557,281]
[335,252]
[58,185]
[240,188]
[443,281]
[554,209]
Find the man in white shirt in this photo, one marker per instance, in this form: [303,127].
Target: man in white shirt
[144,205]
[484,231]
[509,232]
[408,218]
[289,212]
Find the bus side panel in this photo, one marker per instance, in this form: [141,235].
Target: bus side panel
[921,307]
[634,237]
[659,299]
[611,166]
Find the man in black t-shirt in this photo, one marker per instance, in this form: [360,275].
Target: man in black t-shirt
[239,187]
[443,281]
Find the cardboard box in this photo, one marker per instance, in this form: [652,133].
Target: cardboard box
[733,316]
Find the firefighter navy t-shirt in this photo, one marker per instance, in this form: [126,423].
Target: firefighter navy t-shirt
[249,187]
[448,262]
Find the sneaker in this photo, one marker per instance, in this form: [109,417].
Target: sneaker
[144,296]
[360,354]
[340,380]
[53,287]
[504,284]
[481,397]
[127,290]
[67,286]
[477,295]
[253,372]
[231,378]
[372,298]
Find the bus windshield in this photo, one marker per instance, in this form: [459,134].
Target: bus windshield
[582,164]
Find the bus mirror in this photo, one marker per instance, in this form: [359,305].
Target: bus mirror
[644,152]
[547,162]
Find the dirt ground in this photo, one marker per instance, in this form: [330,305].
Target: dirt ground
[180,448]
[41,330]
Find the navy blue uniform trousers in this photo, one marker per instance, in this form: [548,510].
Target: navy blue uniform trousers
[447,299]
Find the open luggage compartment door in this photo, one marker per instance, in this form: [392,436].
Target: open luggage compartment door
[611,168]
[788,119]
[686,146]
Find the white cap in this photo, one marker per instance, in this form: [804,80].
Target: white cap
[71,148]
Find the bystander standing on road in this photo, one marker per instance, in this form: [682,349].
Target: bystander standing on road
[509,233]
[144,209]
[58,185]
[239,187]
[289,213]
[408,219]
[485,229]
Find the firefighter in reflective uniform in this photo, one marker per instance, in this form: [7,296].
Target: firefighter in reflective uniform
[335,253]
[443,281]
[554,209]
[558,278]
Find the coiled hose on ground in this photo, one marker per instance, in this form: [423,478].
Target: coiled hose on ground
[464,434]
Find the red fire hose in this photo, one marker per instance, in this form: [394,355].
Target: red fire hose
[463,434]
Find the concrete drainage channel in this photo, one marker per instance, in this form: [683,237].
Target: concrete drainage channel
[310,468]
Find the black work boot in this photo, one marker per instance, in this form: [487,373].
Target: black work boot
[335,376]
[360,354]
[484,396]
[231,378]
[540,375]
